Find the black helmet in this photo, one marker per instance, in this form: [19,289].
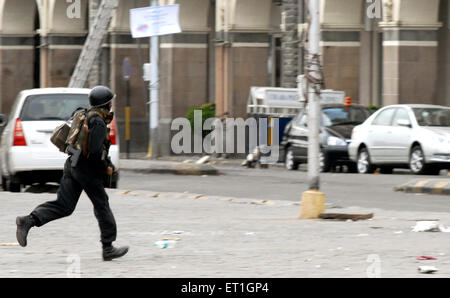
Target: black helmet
[100,96]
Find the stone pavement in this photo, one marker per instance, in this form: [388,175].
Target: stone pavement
[219,237]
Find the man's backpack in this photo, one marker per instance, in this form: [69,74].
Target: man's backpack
[75,136]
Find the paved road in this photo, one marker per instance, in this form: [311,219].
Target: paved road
[341,189]
[218,237]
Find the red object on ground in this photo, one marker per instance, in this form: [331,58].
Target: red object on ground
[422,258]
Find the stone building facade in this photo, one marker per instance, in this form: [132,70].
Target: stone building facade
[379,52]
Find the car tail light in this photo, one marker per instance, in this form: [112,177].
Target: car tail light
[19,136]
[113,132]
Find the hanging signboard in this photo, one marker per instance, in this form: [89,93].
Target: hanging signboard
[154,21]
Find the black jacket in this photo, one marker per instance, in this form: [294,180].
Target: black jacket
[96,145]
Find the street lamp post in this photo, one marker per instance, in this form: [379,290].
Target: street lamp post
[154,92]
[313,201]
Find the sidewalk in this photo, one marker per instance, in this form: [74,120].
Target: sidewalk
[213,161]
[219,237]
[166,167]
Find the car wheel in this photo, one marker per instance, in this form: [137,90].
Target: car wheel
[289,161]
[352,168]
[324,162]
[417,163]
[363,164]
[14,187]
[4,184]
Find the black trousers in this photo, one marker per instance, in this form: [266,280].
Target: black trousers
[74,181]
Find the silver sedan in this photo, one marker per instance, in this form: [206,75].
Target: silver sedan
[401,136]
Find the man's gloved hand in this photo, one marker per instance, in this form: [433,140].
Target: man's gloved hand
[110,171]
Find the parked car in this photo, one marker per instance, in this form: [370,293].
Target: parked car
[414,136]
[337,123]
[27,155]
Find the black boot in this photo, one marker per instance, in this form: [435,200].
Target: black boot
[110,252]
[24,224]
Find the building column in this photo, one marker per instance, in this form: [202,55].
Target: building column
[183,79]
[341,23]
[17,68]
[63,51]
[240,63]
[410,51]
[290,42]
[120,45]
[443,79]
[409,65]
[340,59]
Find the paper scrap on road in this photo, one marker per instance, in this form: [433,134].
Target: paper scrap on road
[430,226]
[202,160]
[9,244]
[444,229]
[172,233]
[426,226]
[427,269]
[165,244]
[424,258]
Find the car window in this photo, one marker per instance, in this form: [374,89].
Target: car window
[384,118]
[350,115]
[52,106]
[401,114]
[432,116]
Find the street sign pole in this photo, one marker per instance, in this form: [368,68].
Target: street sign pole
[313,201]
[151,22]
[126,76]
[154,92]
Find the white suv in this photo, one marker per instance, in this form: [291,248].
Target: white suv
[27,155]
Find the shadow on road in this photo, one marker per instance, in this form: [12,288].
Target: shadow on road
[46,188]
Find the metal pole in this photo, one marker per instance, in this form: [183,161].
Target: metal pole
[313,201]
[127,120]
[313,97]
[154,90]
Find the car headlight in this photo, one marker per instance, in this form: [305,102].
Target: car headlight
[334,141]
